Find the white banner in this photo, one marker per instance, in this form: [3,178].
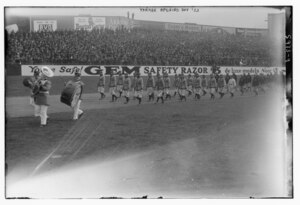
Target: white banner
[44,25]
[94,70]
[183,27]
[89,23]
[12,28]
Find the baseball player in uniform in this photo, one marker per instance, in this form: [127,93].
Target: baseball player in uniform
[212,86]
[101,85]
[190,85]
[182,87]
[270,80]
[262,82]
[176,84]
[133,85]
[77,112]
[231,85]
[112,86]
[204,84]
[255,83]
[227,78]
[150,87]
[34,79]
[167,83]
[197,86]
[126,88]
[159,85]
[221,85]
[41,98]
[139,84]
[234,76]
[120,84]
[249,79]
[242,83]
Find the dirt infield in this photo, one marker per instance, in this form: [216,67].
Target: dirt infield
[194,149]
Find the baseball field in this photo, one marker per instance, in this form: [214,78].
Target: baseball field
[222,148]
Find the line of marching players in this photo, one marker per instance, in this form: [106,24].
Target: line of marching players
[122,86]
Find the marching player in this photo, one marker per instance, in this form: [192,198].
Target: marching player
[120,84]
[150,87]
[231,85]
[176,84]
[41,98]
[167,83]
[255,83]
[126,88]
[34,79]
[234,76]
[77,112]
[212,84]
[227,78]
[112,86]
[262,81]
[197,86]
[217,78]
[245,85]
[182,87]
[221,85]
[101,85]
[249,79]
[241,84]
[269,80]
[190,85]
[159,85]
[133,85]
[139,84]
[204,85]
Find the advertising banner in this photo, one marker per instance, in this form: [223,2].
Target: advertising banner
[183,27]
[44,25]
[114,22]
[94,70]
[89,23]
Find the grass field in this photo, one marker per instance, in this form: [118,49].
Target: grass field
[194,149]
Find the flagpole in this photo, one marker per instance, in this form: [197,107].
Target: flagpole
[30,25]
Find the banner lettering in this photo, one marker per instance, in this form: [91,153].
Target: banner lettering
[89,23]
[45,25]
[94,70]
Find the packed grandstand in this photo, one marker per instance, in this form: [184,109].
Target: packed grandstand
[137,46]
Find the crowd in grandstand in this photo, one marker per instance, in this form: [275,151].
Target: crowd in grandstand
[136,47]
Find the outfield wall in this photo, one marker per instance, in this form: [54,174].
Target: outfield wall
[94,70]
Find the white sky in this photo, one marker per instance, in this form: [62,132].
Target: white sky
[250,17]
